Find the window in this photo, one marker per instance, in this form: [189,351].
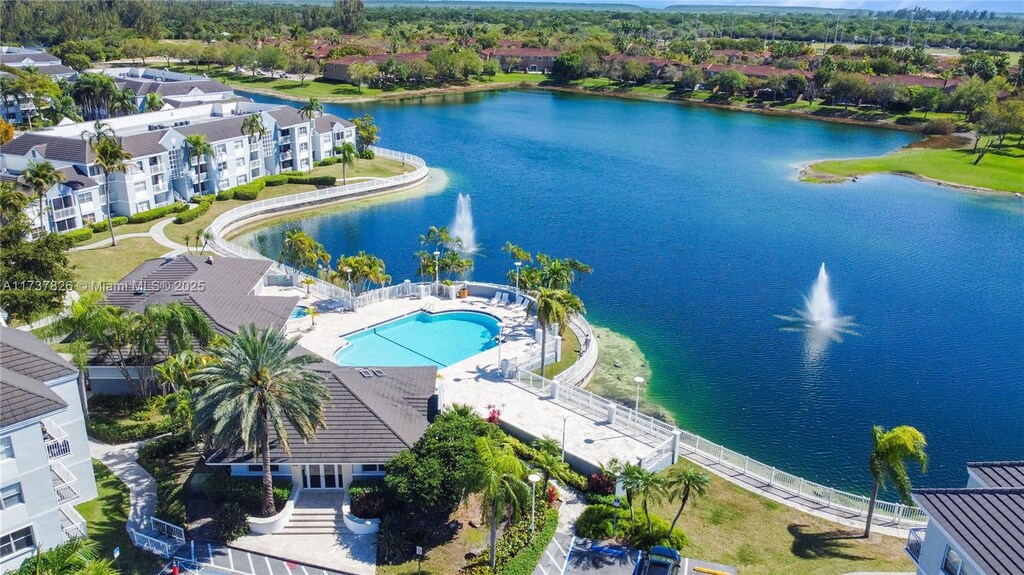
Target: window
[221,166]
[84,197]
[953,564]
[66,225]
[239,144]
[6,448]
[302,132]
[326,140]
[11,496]
[223,184]
[154,161]
[139,187]
[138,166]
[241,180]
[221,149]
[142,206]
[62,202]
[259,468]
[303,147]
[371,468]
[15,541]
[240,162]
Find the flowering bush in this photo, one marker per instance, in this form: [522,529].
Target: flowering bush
[493,415]
[601,484]
[552,495]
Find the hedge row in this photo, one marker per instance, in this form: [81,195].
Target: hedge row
[101,226]
[157,213]
[247,492]
[566,477]
[520,560]
[80,235]
[116,433]
[249,192]
[196,211]
[298,178]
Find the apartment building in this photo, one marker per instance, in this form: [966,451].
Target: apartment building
[45,468]
[175,88]
[14,108]
[164,169]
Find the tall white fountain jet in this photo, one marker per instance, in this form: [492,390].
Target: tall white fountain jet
[462,225]
[819,319]
[820,308]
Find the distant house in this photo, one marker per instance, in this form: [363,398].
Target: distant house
[662,69]
[45,467]
[175,89]
[539,60]
[975,530]
[756,71]
[338,69]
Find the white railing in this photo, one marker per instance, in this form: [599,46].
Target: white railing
[233,217]
[385,293]
[578,372]
[915,540]
[660,457]
[55,439]
[153,545]
[65,484]
[64,213]
[72,522]
[169,529]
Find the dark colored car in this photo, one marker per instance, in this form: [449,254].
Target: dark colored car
[660,561]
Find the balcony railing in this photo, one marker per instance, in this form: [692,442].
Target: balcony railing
[64,213]
[914,542]
[65,484]
[56,440]
[72,522]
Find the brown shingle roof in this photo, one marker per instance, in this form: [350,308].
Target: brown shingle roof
[25,398]
[23,353]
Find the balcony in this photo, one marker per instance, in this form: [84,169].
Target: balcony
[65,484]
[72,522]
[64,213]
[157,168]
[914,542]
[55,440]
[285,156]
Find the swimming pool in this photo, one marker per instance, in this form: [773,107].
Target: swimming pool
[300,311]
[438,339]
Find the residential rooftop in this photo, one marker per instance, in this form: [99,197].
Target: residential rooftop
[27,364]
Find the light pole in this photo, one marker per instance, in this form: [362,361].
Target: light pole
[638,381]
[534,478]
[437,271]
[518,265]
[565,418]
[500,337]
[348,271]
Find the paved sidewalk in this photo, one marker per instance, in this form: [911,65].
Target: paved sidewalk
[106,243]
[120,460]
[157,232]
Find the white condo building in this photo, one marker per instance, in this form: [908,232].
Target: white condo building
[163,168]
[45,468]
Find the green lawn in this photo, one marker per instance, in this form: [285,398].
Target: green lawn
[106,517]
[761,537]
[1000,170]
[94,269]
[570,353]
[322,88]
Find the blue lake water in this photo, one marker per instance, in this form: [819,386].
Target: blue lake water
[699,233]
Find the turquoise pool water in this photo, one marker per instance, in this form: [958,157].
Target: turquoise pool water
[421,339]
[300,311]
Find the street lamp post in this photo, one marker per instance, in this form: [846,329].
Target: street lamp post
[348,271]
[518,266]
[534,478]
[500,338]
[565,418]
[437,272]
[638,381]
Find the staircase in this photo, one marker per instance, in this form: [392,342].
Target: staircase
[317,512]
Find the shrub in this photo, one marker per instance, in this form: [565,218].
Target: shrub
[157,213]
[162,448]
[524,559]
[244,491]
[195,212]
[600,484]
[367,496]
[367,154]
[230,522]
[101,226]
[938,127]
[79,235]
[115,433]
[153,457]
[329,161]
[247,193]
[227,194]
[597,522]
[638,536]
[392,543]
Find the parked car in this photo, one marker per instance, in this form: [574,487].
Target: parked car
[660,561]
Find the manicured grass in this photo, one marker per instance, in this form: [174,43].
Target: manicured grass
[759,536]
[570,353]
[106,517]
[98,268]
[449,557]
[1000,170]
[323,88]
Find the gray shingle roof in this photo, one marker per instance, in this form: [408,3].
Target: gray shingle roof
[75,180]
[999,473]
[988,524]
[369,419]
[144,144]
[142,86]
[39,58]
[73,150]
[163,279]
[229,128]
[25,398]
[55,69]
[23,353]
[287,116]
[326,122]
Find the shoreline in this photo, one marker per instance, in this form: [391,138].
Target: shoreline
[396,96]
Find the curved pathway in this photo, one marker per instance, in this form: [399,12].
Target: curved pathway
[158,235]
[106,243]
[121,461]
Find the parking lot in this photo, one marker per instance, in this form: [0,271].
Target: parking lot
[218,559]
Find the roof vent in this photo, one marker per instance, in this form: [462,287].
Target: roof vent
[365,373]
[378,373]
[209,260]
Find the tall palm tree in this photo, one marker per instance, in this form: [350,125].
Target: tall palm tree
[554,306]
[888,462]
[502,485]
[199,147]
[347,154]
[111,158]
[312,110]
[253,389]
[549,464]
[123,102]
[253,128]
[76,556]
[41,176]
[683,483]
[12,202]
[301,251]
[154,101]
[75,323]
[648,485]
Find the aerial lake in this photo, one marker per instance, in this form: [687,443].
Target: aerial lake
[700,235]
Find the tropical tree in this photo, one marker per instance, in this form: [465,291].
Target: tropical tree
[94,92]
[41,177]
[111,158]
[254,388]
[682,483]
[153,102]
[313,313]
[553,306]
[347,155]
[253,128]
[199,147]
[75,323]
[364,269]
[301,251]
[549,464]
[77,556]
[888,462]
[312,110]
[367,132]
[501,484]
[645,484]
[123,102]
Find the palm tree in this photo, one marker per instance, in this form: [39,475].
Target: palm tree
[75,323]
[254,388]
[199,147]
[888,462]
[549,464]
[682,483]
[253,128]
[547,445]
[12,202]
[347,154]
[648,485]
[111,158]
[76,556]
[502,485]
[41,176]
[301,251]
[366,270]
[123,102]
[462,410]
[313,313]
[313,109]
[154,102]
[553,306]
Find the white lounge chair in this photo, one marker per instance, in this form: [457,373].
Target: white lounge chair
[519,305]
[494,300]
[504,299]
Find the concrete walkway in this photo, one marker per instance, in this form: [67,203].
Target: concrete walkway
[120,460]
[106,242]
[158,235]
